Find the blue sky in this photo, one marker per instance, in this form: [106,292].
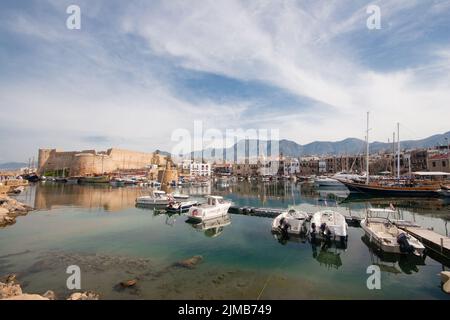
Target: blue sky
[138,70]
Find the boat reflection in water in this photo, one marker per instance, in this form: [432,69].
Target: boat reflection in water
[326,252]
[391,262]
[212,228]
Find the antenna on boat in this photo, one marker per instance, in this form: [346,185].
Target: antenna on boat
[367,150]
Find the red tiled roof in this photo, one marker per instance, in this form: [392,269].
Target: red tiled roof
[439,157]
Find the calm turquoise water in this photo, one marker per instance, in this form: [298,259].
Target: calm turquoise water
[100,230]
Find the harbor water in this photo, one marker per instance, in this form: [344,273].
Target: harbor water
[99,229]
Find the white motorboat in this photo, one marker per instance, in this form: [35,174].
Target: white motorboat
[326,182]
[179,196]
[387,236]
[180,206]
[157,197]
[215,207]
[329,224]
[117,182]
[291,222]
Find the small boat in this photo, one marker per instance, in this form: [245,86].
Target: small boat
[215,207]
[291,222]
[61,179]
[157,197]
[444,191]
[117,182]
[326,182]
[94,179]
[72,180]
[387,236]
[174,207]
[18,189]
[179,196]
[329,225]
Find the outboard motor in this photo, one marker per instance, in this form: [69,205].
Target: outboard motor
[405,247]
[322,228]
[313,231]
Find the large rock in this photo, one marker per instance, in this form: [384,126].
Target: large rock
[88,295]
[190,263]
[9,290]
[27,296]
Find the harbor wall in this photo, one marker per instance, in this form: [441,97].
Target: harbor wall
[88,162]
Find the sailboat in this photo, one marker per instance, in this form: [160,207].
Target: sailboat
[388,187]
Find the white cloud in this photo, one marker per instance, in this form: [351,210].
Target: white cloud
[305,48]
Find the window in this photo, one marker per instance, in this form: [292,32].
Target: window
[444,164]
[434,164]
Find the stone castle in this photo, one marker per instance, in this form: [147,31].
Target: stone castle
[90,162]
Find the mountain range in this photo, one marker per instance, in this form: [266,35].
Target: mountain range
[349,146]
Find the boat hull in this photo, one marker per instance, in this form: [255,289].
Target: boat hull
[390,191]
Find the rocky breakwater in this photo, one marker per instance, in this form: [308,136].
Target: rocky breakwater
[11,290]
[10,209]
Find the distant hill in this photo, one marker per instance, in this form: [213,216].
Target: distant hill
[349,146]
[12,165]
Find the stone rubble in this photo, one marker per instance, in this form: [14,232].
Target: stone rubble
[10,208]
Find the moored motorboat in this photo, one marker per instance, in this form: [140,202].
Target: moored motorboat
[291,222]
[385,235]
[329,225]
[180,206]
[94,179]
[117,182]
[215,207]
[179,196]
[156,198]
[326,182]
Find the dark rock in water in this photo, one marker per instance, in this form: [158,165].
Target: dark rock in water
[128,283]
[190,263]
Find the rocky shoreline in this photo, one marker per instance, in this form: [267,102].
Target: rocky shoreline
[11,290]
[10,209]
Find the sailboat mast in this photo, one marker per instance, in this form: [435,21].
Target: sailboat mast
[398,150]
[367,150]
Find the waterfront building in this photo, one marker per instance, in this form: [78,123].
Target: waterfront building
[195,169]
[439,162]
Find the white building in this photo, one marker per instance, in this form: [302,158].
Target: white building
[291,167]
[196,169]
[322,166]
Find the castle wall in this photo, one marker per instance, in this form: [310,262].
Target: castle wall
[88,162]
